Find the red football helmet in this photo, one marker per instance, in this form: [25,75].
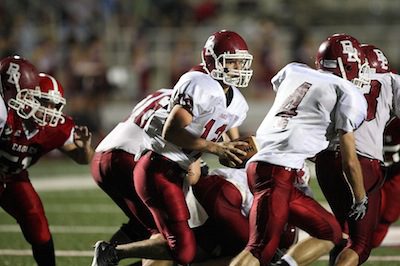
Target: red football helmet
[16,73]
[341,54]
[44,103]
[222,48]
[377,60]
[391,138]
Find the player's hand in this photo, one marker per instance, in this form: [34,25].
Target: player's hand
[228,152]
[82,136]
[358,209]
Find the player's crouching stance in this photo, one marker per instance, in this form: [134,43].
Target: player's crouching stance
[205,104]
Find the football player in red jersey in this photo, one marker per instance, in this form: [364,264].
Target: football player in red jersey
[390,191]
[35,126]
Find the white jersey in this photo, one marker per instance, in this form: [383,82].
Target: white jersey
[129,134]
[3,114]
[309,107]
[383,96]
[212,115]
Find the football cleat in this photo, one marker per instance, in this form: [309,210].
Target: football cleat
[104,254]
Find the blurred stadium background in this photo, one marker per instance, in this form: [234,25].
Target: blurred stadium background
[110,53]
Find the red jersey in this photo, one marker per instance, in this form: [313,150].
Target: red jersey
[20,148]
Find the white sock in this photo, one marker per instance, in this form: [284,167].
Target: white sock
[289,260]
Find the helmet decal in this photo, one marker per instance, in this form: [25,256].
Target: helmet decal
[350,51]
[382,58]
[209,46]
[377,60]
[341,54]
[14,74]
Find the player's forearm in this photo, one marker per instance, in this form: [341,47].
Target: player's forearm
[87,155]
[351,164]
[183,138]
[81,155]
[355,178]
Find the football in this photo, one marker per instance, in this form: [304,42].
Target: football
[251,149]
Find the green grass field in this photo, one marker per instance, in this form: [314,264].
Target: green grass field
[80,217]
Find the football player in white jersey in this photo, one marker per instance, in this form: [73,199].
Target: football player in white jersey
[383,98]
[205,104]
[113,163]
[311,107]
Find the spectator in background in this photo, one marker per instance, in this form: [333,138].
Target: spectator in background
[91,87]
[142,66]
[183,56]
[46,56]
[302,48]
[264,59]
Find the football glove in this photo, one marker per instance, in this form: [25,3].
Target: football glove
[358,209]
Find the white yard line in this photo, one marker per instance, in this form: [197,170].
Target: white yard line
[59,253]
[392,239]
[59,229]
[64,183]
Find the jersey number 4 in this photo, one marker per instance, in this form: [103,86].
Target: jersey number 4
[289,107]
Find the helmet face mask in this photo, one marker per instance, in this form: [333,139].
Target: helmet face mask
[341,55]
[225,57]
[43,104]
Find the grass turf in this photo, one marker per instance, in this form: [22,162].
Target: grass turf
[72,213]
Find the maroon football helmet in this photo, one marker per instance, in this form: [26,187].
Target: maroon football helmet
[341,54]
[16,73]
[391,138]
[377,60]
[44,103]
[221,48]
